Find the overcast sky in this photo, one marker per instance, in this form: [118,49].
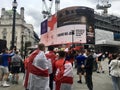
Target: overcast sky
[33,8]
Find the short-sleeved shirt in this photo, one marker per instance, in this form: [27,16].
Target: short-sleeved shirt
[80,60]
[5,58]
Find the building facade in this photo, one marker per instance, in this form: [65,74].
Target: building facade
[106,28]
[24,33]
[107,33]
[92,30]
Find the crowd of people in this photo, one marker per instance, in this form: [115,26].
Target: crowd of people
[53,70]
[57,68]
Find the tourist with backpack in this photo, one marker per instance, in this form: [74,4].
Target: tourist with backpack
[16,61]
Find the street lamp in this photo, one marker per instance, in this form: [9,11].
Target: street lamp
[72,38]
[22,44]
[14,5]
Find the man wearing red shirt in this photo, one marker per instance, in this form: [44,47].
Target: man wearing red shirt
[64,73]
[52,57]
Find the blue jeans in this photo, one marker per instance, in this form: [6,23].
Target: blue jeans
[116,82]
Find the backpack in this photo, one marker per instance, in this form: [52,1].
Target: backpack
[16,61]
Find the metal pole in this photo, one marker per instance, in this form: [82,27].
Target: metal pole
[13,26]
[22,46]
[72,38]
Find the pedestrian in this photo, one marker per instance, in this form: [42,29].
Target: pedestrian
[64,73]
[89,68]
[1,69]
[110,57]
[99,60]
[106,54]
[9,60]
[81,66]
[51,56]
[5,58]
[16,65]
[70,55]
[37,75]
[95,65]
[115,71]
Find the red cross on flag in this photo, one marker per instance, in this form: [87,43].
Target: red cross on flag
[52,23]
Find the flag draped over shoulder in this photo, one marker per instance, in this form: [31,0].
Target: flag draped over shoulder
[64,74]
[30,68]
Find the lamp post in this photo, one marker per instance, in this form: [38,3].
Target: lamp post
[14,6]
[72,38]
[22,44]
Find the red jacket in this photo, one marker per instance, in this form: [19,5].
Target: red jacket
[51,55]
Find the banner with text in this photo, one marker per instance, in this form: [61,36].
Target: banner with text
[63,35]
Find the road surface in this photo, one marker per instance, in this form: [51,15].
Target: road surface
[101,81]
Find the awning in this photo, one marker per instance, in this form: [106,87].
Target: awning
[108,42]
[32,47]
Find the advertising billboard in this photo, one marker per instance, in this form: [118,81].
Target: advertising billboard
[78,15]
[63,35]
[59,29]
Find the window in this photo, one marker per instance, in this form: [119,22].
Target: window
[4,32]
[60,15]
[67,12]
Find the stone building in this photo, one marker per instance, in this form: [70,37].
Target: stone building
[24,32]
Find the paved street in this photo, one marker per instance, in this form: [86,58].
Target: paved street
[101,81]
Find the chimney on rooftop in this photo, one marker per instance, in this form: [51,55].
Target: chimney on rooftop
[2,11]
[22,12]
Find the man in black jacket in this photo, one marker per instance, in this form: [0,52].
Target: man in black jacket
[89,69]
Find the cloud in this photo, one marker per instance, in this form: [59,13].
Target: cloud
[66,3]
[5,4]
[115,8]
[33,8]
[34,17]
[35,11]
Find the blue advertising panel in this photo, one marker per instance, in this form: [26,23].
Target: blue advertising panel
[44,27]
[117,36]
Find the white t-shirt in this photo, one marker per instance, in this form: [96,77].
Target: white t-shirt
[115,68]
